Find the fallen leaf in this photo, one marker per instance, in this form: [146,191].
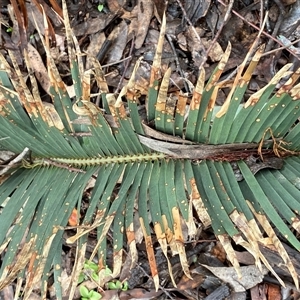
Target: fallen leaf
[187,283]
[216,53]
[273,291]
[73,220]
[219,252]
[139,294]
[110,295]
[258,292]
[251,276]
[196,9]
[145,13]
[119,40]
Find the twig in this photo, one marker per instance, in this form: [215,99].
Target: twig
[281,48]
[226,17]
[263,32]
[97,102]
[262,5]
[117,62]
[178,63]
[193,28]
[206,52]
[14,161]
[277,25]
[150,277]
[125,68]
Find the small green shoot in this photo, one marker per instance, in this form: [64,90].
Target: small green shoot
[88,295]
[90,269]
[108,271]
[117,285]
[100,7]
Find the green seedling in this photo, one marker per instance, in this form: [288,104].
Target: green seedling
[108,271]
[117,285]
[88,294]
[90,270]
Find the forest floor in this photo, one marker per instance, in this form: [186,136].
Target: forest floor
[118,33]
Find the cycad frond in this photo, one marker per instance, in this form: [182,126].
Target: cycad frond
[71,141]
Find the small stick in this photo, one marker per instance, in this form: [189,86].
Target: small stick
[277,25]
[14,161]
[263,32]
[193,28]
[226,17]
[178,63]
[126,67]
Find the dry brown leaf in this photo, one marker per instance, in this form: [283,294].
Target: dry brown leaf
[273,291]
[94,47]
[15,36]
[291,21]
[91,25]
[139,294]
[110,295]
[251,276]
[245,258]
[219,252]
[18,13]
[288,2]
[160,7]
[194,45]
[65,282]
[74,217]
[258,293]
[188,283]
[196,9]
[119,40]
[216,53]
[115,5]
[145,13]
[20,263]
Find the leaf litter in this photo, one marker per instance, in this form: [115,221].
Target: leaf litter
[192,28]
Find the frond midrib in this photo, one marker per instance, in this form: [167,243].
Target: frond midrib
[92,161]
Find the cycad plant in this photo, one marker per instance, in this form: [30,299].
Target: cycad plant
[193,159]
